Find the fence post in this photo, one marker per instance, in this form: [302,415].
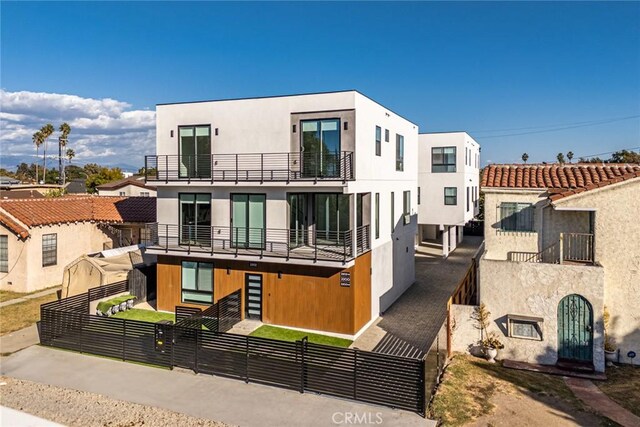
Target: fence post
[173,344]
[196,361]
[124,340]
[246,361]
[422,392]
[355,374]
[81,328]
[303,367]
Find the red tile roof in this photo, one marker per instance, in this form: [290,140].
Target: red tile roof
[15,228]
[138,181]
[34,212]
[560,180]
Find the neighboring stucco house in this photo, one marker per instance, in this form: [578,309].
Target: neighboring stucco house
[448,186]
[562,242]
[133,186]
[39,237]
[305,203]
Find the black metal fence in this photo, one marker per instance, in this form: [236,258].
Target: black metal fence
[364,376]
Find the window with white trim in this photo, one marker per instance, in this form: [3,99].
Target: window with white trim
[4,254]
[525,327]
[516,216]
[49,249]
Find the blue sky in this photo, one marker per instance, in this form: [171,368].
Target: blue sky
[480,67]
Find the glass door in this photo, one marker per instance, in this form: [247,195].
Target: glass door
[248,220]
[195,151]
[195,219]
[320,148]
[297,220]
[332,218]
[253,292]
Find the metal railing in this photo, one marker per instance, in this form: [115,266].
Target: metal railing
[572,247]
[311,243]
[363,239]
[259,167]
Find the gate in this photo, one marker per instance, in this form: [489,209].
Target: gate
[575,329]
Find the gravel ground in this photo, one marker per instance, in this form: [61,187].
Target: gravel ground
[82,409]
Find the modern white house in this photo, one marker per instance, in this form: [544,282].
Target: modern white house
[448,186]
[561,266]
[305,203]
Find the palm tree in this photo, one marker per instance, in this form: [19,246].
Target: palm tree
[560,158]
[70,154]
[38,140]
[46,131]
[64,129]
[570,156]
[525,157]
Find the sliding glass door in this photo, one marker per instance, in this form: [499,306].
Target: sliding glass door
[297,220]
[248,220]
[332,218]
[195,219]
[195,151]
[320,148]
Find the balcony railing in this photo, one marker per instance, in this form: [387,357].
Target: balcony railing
[261,167]
[573,248]
[309,244]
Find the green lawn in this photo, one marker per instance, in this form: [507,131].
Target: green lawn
[144,315]
[282,334]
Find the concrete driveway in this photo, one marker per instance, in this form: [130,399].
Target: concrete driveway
[204,396]
[417,316]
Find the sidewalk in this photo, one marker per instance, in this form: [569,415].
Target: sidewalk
[30,296]
[203,396]
[591,395]
[18,340]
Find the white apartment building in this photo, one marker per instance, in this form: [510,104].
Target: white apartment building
[305,203]
[448,180]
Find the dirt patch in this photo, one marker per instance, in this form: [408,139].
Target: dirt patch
[623,386]
[20,315]
[82,409]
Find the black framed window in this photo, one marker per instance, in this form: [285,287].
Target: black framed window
[378,141]
[399,152]
[4,254]
[197,282]
[393,213]
[418,195]
[516,216]
[377,213]
[468,199]
[386,135]
[450,196]
[406,207]
[443,159]
[49,249]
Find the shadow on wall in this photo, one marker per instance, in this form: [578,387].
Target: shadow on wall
[403,252]
[629,343]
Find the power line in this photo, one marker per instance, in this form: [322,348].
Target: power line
[560,128]
[552,126]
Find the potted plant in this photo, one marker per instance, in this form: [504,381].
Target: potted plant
[490,342]
[610,349]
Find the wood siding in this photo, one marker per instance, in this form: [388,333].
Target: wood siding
[304,297]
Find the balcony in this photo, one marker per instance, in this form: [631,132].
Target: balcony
[571,248]
[261,167]
[311,244]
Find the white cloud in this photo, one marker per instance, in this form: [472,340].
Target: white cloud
[105,131]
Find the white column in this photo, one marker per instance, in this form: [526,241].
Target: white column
[445,241]
[460,233]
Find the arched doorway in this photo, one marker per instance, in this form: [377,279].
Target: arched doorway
[575,329]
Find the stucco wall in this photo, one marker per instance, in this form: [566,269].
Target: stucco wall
[617,249]
[531,289]
[129,191]
[465,334]
[26,273]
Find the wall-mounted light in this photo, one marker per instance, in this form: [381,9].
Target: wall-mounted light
[279,274]
[216,131]
[228,270]
[294,128]
[346,125]
[171,134]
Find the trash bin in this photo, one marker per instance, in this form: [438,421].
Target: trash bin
[163,335]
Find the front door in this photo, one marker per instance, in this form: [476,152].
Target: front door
[297,219]
[248,220]
[575,329]
[253,300]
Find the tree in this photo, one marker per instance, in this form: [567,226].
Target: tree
[103,176]
[625,156]
[92,169]
[560,158]
[46,131]
[525,157]
[64,129]
[38,140]
[70,154]
[74,172]
[570,156]
[27,173]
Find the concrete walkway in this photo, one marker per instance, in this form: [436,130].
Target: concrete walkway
[30,296]
[417,316]
[18,340]
[591,395]
[204,396]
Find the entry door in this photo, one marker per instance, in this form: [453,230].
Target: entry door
[575,329]
[253,292]
[248,220]
[320,147]
[195,151]
[297,219]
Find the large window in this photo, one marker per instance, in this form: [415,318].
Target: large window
[450,196]
[377,213]
[399,152]
[320,147]
[468,189]
[406,207]
[516,216]
[248,219]
[195,151]
[4,254]
[393,214]
[443,159]
[378,141]
[49,249]
[197,282]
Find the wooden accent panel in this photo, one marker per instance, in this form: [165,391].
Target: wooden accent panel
[305,296]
